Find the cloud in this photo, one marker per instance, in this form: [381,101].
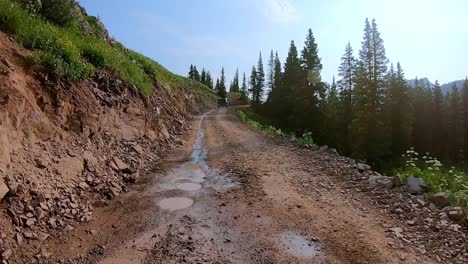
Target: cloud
[278,11]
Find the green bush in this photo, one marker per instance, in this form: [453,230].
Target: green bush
[93,56]
[59,12]
[257,122]
[438,177]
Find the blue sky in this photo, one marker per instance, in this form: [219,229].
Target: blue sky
[428,37]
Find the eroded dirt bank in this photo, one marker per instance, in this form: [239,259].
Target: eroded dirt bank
[68,149]
[236,196]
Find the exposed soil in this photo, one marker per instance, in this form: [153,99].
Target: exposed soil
[262,200]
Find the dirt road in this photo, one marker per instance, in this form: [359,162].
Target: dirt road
[237,196]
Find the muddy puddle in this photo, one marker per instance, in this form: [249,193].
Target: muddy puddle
[300,246]
[175,203]
[194,175]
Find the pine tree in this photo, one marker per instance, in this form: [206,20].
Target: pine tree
[209,80]
[253,84]
[203,76]
[310,97]
[273,97]
[310,61]
[346,71]
[191,73]
[368,126]
[217,86]
[244,90]
[421,99]
[465,119]
[293,82]
[260,81]
[331,119]
[271,74]
[235,83]
[455,125]
[222,85]
[196,74]
[399,107]
[437,122]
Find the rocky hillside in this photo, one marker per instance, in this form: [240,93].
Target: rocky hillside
[68,145]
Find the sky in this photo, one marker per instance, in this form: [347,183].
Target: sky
[428,37]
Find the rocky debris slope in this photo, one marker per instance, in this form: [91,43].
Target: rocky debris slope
[423,223]
[68,148]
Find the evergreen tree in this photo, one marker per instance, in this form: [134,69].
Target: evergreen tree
[235,83]
[196,74]
[217,86]
[454,125]
[310,61]
[209,80]
[422,111]
[271,73]
[331,118]
[294,81]
[222,85]
[260,82]
[346,71]
[465,119]
[253,84]
[203,76]
[244,90]
[191,72]
[437,122]
[368,126]
[400,119]
[310,102]
[273,97]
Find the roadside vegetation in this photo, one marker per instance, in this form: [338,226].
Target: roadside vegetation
[76,46]
[438,177]
[259,123]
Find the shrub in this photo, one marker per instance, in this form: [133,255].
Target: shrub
[93,56]
[259,123]
[60,12]
[438,177]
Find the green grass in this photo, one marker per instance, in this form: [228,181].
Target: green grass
[438,177]
[260,123]
[75,56]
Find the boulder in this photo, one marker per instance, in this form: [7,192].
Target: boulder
[3,189]
[362,167]
[441,199]
[415,185]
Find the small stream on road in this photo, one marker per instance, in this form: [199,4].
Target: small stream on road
[193,175]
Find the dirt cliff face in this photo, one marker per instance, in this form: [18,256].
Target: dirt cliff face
[65,148]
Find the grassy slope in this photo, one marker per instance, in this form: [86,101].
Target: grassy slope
[76,56]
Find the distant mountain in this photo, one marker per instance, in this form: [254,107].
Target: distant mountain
[445,87]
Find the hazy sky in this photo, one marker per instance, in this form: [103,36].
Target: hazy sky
[428,37]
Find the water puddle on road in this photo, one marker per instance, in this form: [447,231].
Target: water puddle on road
[175,203]
[194,175]
[300,246]
[188,186]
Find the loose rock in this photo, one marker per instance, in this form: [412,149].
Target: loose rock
[441,199]
[415,185]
